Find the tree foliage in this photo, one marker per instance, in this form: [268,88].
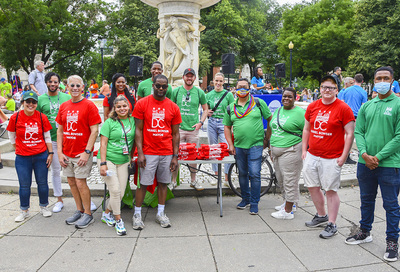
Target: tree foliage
[53,29]
[377,39]
[322,33]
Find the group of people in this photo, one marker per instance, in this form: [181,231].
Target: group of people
[59,130]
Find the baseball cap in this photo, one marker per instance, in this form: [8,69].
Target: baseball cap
[30,94]
[189,70]
[2,79]
[329,77]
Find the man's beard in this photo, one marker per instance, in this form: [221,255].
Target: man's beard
[53,91]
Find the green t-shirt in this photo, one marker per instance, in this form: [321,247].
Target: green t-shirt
[10,105]
[189,105]
[291,120]
[5,87]
[212,99]
[249,130]
[50,109]
[146,88]
[112,129]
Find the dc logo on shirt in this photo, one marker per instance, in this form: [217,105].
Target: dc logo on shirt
[186,101]
[30,131]
[322,120]
[388,111]
[157,118]
[72,120]
[275,126]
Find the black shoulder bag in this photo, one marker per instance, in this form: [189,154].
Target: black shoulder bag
[293,133]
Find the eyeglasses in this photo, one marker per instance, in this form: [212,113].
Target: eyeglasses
[31,101]
[159,86]
[77,85]
[187,95]
[326,88]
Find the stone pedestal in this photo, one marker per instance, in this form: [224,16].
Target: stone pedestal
[179,35]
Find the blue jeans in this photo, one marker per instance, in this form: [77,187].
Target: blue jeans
[215,130]
[388,180]
[24,166]
[249,166]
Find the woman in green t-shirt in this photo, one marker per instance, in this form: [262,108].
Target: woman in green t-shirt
[116,149]
[287,126]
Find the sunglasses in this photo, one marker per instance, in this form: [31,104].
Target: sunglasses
[31,101]
[159,86]
[187,95]
[77,85]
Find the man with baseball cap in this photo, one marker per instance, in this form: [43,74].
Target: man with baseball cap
[188,98]
[327,138]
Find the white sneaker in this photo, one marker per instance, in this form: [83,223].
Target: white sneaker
[92,206]
[213,181]
[282,207]
[282,214]
[45,211]
[58,207]
[22,216]
[196,185]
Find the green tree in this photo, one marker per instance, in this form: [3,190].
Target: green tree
[53,29]
[377,40]
[322,33]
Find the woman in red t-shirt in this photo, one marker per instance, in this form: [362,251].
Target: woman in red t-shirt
[119,87]
[29,133]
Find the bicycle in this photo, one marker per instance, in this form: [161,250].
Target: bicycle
[268,177]
[3,128]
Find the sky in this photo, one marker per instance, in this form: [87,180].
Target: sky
[281,2]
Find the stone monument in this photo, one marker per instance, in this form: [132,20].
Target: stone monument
[179,35]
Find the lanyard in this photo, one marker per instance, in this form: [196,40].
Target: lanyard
[123,128]
[58,101]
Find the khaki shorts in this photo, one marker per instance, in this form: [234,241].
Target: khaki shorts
[156,166]
[189,136]
[320,172]
[75,171]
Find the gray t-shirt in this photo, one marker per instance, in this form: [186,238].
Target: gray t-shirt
[37,79]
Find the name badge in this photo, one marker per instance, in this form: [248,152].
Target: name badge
[125,150]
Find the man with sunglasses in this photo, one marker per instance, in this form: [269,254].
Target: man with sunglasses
[146,86]
[78,120]
[188,98]
[49,104]
[157,139]
[327,138]
[245,120]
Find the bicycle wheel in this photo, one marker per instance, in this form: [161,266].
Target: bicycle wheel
[2,129]
[267,177]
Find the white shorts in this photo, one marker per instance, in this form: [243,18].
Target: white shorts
[320,172]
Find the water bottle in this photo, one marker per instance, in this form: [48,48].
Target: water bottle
[110,173]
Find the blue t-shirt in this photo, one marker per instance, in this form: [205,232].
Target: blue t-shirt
[395,87]
[340,94]
[259,81]
[355,96]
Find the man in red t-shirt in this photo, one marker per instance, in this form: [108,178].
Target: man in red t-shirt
[327,138]
[157,140]
[78,120]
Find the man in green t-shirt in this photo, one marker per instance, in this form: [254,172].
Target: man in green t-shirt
[188,98]
[49,104]
[9,107]
[146,87]
[245,120]
[5,87]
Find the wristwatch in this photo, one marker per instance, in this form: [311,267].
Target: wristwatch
[103,163]
[201,122]
[175,155]
[87,151]
[51,153]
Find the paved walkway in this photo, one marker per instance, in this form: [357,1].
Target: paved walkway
[199,240]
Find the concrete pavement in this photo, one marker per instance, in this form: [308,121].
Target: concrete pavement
[199,240]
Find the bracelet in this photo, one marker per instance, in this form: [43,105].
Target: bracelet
[51,153]
[103,163]
[201,122]
[175,155]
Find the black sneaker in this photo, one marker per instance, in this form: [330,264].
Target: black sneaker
[317,221]
[392,251]
[350,161]
[1,165]
[359,238]
[329,231]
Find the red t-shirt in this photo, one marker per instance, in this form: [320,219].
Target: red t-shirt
[76,119]
[106,104]
[29,134]
[327,128]
[158,116]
